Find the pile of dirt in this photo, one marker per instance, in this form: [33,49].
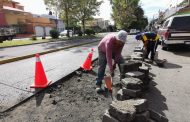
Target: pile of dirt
[73,100]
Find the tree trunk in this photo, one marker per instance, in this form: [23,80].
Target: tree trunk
[83,26]
[67,19]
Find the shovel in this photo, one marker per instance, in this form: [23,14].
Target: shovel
[108,83]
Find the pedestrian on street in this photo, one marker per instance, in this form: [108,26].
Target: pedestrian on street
[150,41]
[110,47]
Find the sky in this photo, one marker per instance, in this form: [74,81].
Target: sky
[151,7]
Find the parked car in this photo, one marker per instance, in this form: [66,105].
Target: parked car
[7,33]
[134,31]
[175,30]
[64,33]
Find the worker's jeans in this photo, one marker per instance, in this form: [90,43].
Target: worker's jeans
[151,47]
[102,62]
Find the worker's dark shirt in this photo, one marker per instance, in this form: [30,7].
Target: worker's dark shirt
[150,37]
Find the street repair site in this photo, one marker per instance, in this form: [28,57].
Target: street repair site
[73,99]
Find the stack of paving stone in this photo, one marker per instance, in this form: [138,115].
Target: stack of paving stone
[134,110]
[134,79]
[128,107]
[138,53]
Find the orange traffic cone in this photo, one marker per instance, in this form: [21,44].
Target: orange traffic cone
[88,62]
[108,83]
[40,76]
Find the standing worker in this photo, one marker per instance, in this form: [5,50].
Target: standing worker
[110,47]
[150,41]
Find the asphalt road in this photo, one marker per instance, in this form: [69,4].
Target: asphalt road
[171,95]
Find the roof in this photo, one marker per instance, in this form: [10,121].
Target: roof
[12,9]
[14,2]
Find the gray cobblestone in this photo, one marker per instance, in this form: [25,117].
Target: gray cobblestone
[124,111]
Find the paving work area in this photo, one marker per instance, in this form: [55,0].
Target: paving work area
[72,100]
[16,87]
[75,99]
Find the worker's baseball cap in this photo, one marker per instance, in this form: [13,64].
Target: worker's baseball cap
[138,37]
[121,36]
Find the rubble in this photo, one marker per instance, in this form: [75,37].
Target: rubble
[135,74]
[121,96]
[122,111]
[135,80]
[133,110]
[143,117]
[108,118]
[131,93]
[132,83]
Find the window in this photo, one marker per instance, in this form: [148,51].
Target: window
[181,22]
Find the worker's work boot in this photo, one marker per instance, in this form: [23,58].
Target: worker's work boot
[99,89]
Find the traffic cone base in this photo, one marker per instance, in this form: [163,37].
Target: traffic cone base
[86,69]
[40,86]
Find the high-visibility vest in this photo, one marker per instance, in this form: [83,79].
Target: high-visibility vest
[152,39]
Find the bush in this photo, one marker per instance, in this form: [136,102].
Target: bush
[103,30]
[80,33]
[34,37]
[54,34]
[89,32]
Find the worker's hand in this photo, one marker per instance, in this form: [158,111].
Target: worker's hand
[112,73]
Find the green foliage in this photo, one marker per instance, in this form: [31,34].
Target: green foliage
[54,34]
[123,12]
[141,22]
[85,9]
[73,11]
[89,32]
[79,33]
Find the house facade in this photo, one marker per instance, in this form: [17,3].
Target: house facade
[98,24]
[12,14]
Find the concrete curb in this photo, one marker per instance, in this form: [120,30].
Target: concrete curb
[42,90]
[42,53]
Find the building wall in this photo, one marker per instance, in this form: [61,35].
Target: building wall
[23,22]
[60,26]
[13,19]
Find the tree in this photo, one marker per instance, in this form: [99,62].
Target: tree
[123,12]
[60,7]
[84,10]
[140,22]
